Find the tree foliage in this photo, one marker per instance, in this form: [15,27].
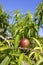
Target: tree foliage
[4,21]
[39,14]
[22,26]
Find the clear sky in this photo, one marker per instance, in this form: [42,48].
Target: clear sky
[22,5]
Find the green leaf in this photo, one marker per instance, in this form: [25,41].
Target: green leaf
[20,59]
[5,61]
[37,48]
[4,48]
[29,33]
[28,60]
[31,54]
[40,62]
[37,43]
[1,43]
[16,43]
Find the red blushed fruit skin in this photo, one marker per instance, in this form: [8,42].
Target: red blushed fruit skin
[24,43]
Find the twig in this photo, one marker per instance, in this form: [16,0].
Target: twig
[25,48]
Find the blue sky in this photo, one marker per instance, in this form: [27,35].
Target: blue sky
[22,5]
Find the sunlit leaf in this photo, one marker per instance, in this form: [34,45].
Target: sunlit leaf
[5,61]
[16,42]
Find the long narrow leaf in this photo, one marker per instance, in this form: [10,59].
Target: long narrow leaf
[20,59]
[16,41]
[40,61]
[4,48]
[28,60]
[37,42]
[5,61]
